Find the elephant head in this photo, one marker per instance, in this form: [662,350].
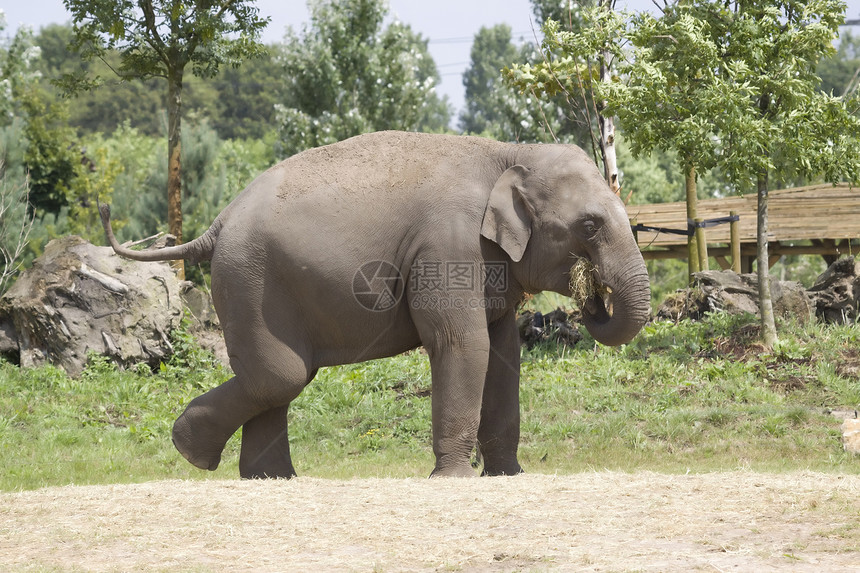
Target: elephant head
[557,212]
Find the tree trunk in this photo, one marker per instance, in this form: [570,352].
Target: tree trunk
[607,124]
[174,164]
[693,263]
[610,163]
[768,324]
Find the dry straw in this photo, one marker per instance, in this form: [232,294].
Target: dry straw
[723,521]
[583,283]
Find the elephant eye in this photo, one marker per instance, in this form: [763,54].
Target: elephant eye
[590,228]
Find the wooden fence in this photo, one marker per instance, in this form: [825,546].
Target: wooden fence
[815,220]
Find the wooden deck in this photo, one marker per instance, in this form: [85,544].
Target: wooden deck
[819,219]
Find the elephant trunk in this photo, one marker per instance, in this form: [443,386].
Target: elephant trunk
[620,306]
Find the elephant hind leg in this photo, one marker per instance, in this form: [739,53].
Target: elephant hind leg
[266,446]
[200,432]
[270,376]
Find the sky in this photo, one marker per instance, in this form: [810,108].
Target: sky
[450,25]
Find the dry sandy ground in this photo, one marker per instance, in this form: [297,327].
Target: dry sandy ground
[604,521]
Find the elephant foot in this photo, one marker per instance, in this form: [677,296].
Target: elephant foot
[286,472]
[199,442]
[502,470]
[460,471]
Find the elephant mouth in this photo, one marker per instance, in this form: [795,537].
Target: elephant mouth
[599,308]
[588,292]
[612,315]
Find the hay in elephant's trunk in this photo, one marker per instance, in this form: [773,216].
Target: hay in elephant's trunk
[584,285]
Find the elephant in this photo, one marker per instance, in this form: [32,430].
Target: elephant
[388,241]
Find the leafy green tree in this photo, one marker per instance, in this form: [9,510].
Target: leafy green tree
[161,38]
[748,99]
[18,94]
[668,99]
[49,154]
[491,51]
[347,74]
[497,110]
[774,117]
[577,58]
[245,107]
[239,102]
[568,13]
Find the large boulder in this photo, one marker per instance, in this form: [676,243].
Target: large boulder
[79,298]
[836,292]
[726,291]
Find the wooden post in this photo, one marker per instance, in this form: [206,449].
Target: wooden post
[735,230]
[633,223]
[692,249]
[701,245]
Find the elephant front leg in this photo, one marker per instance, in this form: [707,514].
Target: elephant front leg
[499,432]
[458,372]
[266,446]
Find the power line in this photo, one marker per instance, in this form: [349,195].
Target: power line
[468,39]
[462,40]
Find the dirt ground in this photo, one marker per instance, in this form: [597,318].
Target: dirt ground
[602,521]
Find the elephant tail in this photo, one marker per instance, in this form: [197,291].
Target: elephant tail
[200,249]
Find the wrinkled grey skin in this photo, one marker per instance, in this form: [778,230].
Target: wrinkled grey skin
[286,252]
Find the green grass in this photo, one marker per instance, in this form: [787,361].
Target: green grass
[689,397]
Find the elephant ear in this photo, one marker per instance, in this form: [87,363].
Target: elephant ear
[508,217]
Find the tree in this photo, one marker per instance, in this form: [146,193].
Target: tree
[496,110]
[237,102]
[245,107]
[491,51]
[17,69]
[748,98]
[775,118]
[667,96]
[161,38]
[49,154]
[16,219]
[346,75]
[576,59]
[568,13]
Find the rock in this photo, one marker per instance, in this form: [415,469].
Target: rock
[556,326]
[726,291]
[836,292]
[78,298]
[851,435]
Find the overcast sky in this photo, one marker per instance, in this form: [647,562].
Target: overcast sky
[450,25]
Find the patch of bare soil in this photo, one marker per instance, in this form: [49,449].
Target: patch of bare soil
[605,521]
